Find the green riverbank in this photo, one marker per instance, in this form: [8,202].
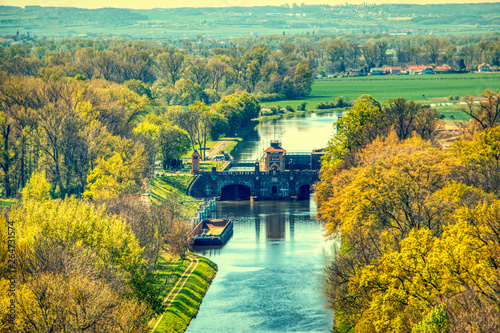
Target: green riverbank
[187,302]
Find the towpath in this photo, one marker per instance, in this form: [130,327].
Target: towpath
[169,300]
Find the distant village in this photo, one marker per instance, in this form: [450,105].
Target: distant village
[408,70]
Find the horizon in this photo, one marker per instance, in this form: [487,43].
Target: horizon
[158,4]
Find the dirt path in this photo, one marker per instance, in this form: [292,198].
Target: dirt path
[176,289]
[219,147]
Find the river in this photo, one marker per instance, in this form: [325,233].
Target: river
[271,272]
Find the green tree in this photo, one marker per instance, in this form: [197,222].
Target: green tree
[173,142]
[358,126]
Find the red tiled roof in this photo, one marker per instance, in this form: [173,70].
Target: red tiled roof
[416,67]
[274,150]
[483,64]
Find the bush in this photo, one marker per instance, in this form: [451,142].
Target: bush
[302,106]
[269,97]
[289,108]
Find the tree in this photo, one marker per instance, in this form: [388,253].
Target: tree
[119,174]
[302,79]
[37,188]
[402,115]
[170,65]
[199,71]
[358,126]
[486,111]
[219,70]
[481,158]
[173,142]
[239,109]
[189,91]
[77,269]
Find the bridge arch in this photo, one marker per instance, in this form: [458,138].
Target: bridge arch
[304,192]
[235,192]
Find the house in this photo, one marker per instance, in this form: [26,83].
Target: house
[428,70]
[415,69]
[442,69]
[377,71]
[274,157]
[483,68]
[393,70]
[419,69]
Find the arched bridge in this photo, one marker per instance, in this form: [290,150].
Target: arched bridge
[243,185]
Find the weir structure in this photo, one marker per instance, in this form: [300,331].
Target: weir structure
[277,176]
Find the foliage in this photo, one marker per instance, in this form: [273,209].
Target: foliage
[435,322]
[76,267]
[417,225]
[37,188]
[119,174]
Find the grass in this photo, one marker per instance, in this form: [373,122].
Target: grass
[7,203]
[450,113]
[421,88]
[162,188]
[188,301]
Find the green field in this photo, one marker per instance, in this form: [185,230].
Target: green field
[425,89]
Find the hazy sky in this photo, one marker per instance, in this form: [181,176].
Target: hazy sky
[146,4]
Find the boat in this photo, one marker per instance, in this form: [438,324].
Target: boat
[213,232]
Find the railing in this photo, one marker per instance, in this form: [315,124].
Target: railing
[207,206]
[249,173]
[297,153]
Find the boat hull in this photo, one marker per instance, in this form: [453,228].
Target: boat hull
[203,237]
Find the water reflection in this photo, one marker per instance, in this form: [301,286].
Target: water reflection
[270,276]
[296,134]
[270,273]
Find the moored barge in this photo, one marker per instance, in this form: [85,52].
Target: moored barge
[213,232]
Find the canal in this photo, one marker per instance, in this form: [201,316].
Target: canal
[270,276]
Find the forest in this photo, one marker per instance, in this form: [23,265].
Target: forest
[95,114]
[419,223]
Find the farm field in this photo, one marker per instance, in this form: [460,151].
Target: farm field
[424,89]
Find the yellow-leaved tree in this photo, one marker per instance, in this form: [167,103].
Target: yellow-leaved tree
[77,269]
[118,174]
[414,236]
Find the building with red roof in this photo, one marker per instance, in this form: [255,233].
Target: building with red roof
[274,157]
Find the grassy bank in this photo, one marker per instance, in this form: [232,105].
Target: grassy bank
[7,203]
[175,186]
[187,303]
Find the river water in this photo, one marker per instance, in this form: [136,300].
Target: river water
[270,276]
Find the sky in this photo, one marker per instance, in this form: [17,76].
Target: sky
[148,4]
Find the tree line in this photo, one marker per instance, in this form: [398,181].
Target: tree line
[99,138]
[418,223]
[165,74]
[273,67]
